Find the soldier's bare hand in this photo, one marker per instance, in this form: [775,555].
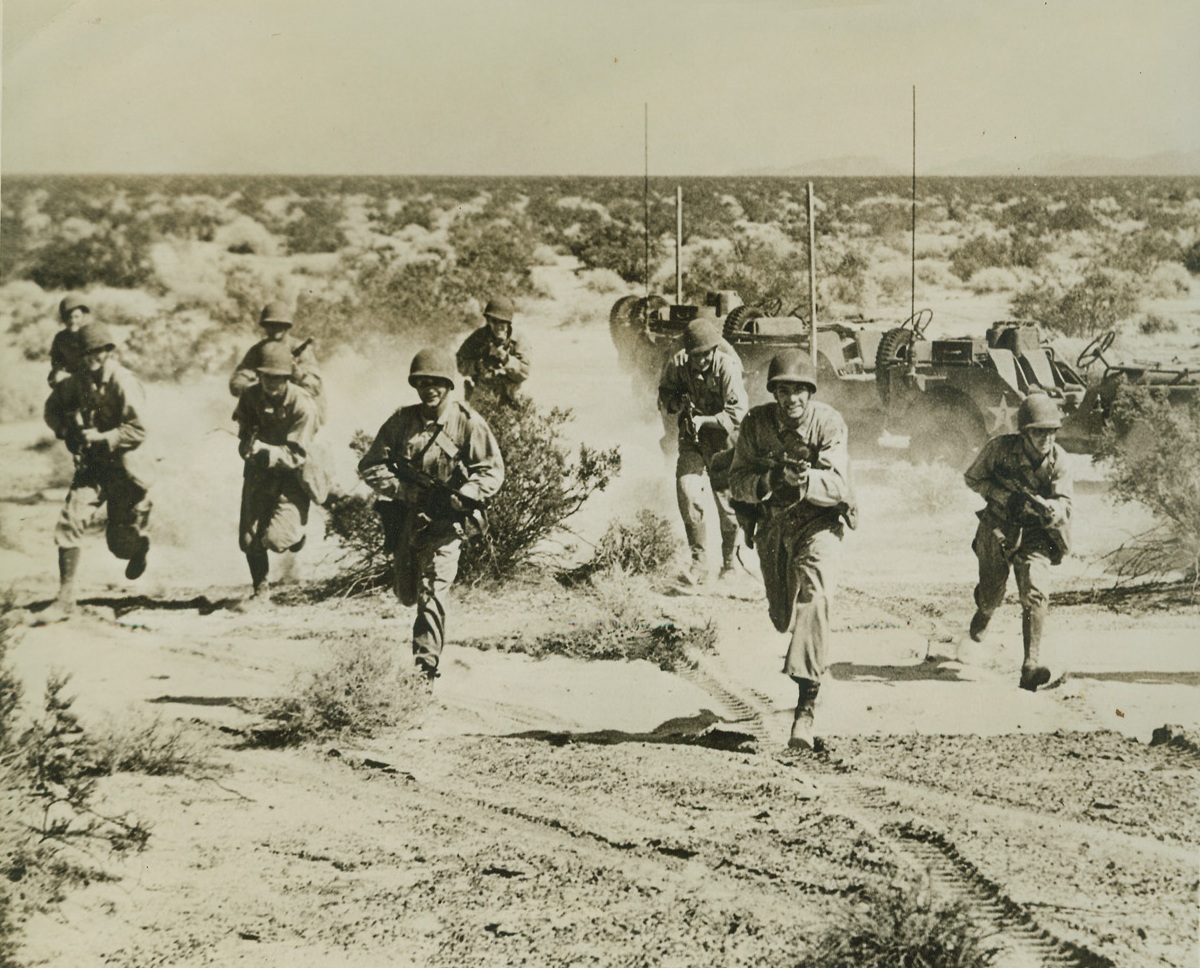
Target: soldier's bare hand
[795,476]
[91,435]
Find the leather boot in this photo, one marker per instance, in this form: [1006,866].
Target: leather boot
[801,737]
[259,567]
[1033,673]
[979,624]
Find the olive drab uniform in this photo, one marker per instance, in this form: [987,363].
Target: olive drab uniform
[719,391]
[423,533]
[275,503]
[1009,538]
[305,372]
[799,535]
[66,356]
[499,365]
[107,471]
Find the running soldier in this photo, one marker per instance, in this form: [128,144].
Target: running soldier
[276,321]
[492,356]
[98,413]
[791,479]
[1025,526]
[66,349]
[276,423]
[434,465]
[704,387]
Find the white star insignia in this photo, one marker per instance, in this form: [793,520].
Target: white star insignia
[1001,417]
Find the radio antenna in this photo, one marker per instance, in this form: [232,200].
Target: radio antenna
[913,287]
[646,192]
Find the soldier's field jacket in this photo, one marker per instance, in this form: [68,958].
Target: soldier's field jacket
[718,390]
[456,447]
[113,405]
[1004,462]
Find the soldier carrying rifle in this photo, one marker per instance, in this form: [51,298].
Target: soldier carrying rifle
[704,386]
[98,413]
[492,356]
[791,476]
[1025,526]
[276,321]
[434,465]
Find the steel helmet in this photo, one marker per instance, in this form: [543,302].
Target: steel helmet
[792,366]
[701,335]
[276,311]
[499,307]
[96,336]
[433,363]
[69,303]
[275,359]
[1038,411]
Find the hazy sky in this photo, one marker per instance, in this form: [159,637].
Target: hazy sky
[558,86]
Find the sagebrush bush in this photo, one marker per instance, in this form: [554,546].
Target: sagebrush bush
[1153,447]
[544,486]
[984,252]
[899,925]
[1095,304]
[1153,323]
[641,548]
[362,688]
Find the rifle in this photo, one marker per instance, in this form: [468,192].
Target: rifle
[802,459]
[396,515]
[687,419]
[1031,511]
[301,347]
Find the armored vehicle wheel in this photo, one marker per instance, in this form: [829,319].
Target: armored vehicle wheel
[647,309]
[739,319]
[893,350]
[622,311]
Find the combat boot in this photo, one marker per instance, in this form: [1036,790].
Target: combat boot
[696,573]
[728,567]
[1033,673]
[979,624]
[137,564]
[801,737]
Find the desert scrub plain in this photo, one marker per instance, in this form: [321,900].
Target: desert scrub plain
[599,776]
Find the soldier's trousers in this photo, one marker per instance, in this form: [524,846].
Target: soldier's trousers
[812,569]
[1031,566]
[274,510]
[425,564]
[128,513]
[691,484]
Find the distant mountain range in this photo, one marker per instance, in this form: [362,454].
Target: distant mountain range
[1167,163]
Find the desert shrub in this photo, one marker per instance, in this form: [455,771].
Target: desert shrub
[641,548]
[1075,216]
[601,243]
[1141,252]
[885,217]
[1154,451]
[247,236]
[110,253]
[146,745]
[763,274]
[174,344]
[902,924]
[543,488]
[362,688]
[1152,323]
[1093,305]
[491,256]
[1191,257]
[615,619]
[318,227]
[982,252]
[1167,280]
[49,824]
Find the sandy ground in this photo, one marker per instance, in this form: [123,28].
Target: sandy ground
[560,812]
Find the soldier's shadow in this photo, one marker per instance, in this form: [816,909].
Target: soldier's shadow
[928,671]
[123,605]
